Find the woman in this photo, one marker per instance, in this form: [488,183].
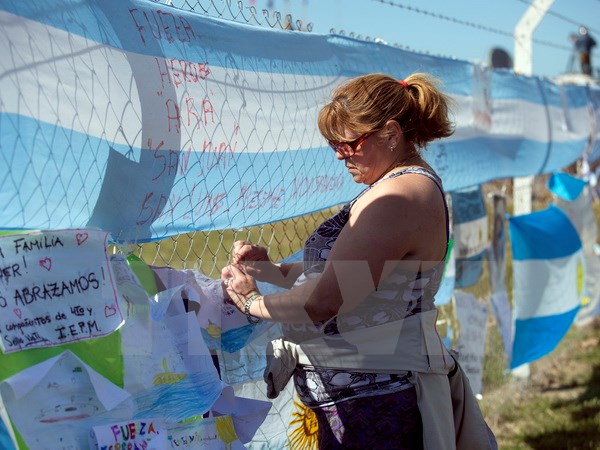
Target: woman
[359,319]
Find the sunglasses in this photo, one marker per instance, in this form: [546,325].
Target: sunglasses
[348,149]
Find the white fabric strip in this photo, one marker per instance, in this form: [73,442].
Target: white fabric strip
[547,287]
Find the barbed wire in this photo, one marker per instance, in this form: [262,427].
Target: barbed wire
[468,23]
[236,11]
[560,16]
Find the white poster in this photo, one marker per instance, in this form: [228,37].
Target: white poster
[176,351]
[139,434]
[56,287]
[472,317]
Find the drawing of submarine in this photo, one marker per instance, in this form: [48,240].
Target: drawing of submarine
[167,377]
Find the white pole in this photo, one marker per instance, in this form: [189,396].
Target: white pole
[522,187]
[524,35]
[523,65]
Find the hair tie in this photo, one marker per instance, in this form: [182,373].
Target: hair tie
[403,83]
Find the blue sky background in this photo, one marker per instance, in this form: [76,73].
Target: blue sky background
[424,33]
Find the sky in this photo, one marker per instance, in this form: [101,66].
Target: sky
[392,21]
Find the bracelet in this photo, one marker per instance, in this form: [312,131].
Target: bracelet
[251,319]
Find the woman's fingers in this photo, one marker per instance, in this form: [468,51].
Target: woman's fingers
[240,277]
[244,251]
[238,272]
[225,273]
[237,245]
[238,284]
[231,275]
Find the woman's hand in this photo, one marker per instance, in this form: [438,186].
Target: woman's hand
[255,260]
[238,284]
[246,251]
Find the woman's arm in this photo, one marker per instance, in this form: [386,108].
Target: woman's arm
[286,306]
[290,273]
[393,222]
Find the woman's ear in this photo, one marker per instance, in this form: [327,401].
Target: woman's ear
[394,132]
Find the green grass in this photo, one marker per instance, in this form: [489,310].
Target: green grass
[559,406]
[209,251]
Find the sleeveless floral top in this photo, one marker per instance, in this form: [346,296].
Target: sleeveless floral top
[400,295]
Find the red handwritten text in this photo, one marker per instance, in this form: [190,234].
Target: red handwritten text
[252,199]
[175,72]
[302,186]
[161,25]
[194,117]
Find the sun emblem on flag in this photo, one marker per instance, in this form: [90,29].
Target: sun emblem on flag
[580,276]
[305,427]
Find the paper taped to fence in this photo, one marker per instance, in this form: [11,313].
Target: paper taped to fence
[56,287]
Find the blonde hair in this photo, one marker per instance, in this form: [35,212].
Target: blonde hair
[366,103]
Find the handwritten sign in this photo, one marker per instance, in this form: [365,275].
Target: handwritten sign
[55,287]
[131,435]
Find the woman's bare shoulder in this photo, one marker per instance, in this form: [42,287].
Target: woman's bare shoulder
[410,190]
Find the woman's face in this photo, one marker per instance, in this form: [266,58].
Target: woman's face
[370,160]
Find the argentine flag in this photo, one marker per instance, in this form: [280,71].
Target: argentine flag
[548,281]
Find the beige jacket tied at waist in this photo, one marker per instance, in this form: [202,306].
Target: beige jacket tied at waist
[450,414]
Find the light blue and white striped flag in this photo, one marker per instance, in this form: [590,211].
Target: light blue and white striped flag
[548,281]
